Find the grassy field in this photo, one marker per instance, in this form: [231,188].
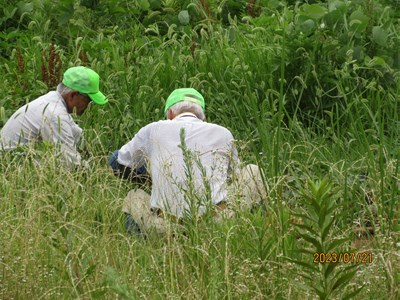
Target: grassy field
[316,107]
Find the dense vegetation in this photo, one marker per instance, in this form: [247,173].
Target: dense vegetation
[310,89]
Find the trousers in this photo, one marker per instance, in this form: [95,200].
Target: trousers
[244,193]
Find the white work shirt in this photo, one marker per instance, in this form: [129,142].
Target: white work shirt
[44,119]
[214,156]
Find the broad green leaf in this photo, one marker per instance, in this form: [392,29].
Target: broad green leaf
[9,12]
[155,4]
[4,45]
[337,5]
[358,21]
[25,7]
[314,11]
[307,26]
[66,14]
[144,4]
[184,17]
[334,18]
[273,4]
[379,35]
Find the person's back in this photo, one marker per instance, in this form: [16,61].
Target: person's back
[26,125]
[187,177]
[48,119]
[190,162]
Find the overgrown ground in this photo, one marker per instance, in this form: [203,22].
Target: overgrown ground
[309,90]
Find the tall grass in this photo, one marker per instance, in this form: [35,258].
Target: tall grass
[63,237]
[65,229]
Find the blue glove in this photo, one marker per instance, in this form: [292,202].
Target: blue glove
[124,171]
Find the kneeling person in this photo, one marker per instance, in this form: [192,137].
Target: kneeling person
[48,119]
[189,161]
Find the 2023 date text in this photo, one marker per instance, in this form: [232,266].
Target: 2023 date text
[342,257]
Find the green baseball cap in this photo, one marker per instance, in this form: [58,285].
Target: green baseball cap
[86,81]
[184,94]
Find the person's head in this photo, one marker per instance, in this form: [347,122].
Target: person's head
[185,100]
[79,88]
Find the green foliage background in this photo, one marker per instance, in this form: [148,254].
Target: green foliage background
[309,88]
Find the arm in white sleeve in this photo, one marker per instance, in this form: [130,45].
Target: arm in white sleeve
[63,132]
[133,154]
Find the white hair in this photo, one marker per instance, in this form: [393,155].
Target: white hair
[187,106]
[63,90]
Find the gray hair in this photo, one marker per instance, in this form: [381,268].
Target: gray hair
[187,106]
[63,90]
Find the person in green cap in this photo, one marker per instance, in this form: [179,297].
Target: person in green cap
[48,118]
[190,163]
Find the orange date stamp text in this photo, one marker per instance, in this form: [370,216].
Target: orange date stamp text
[342,257]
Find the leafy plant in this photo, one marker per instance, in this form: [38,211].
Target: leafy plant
[325,278]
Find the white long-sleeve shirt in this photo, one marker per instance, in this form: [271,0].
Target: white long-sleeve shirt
[178,186]
[44,119]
